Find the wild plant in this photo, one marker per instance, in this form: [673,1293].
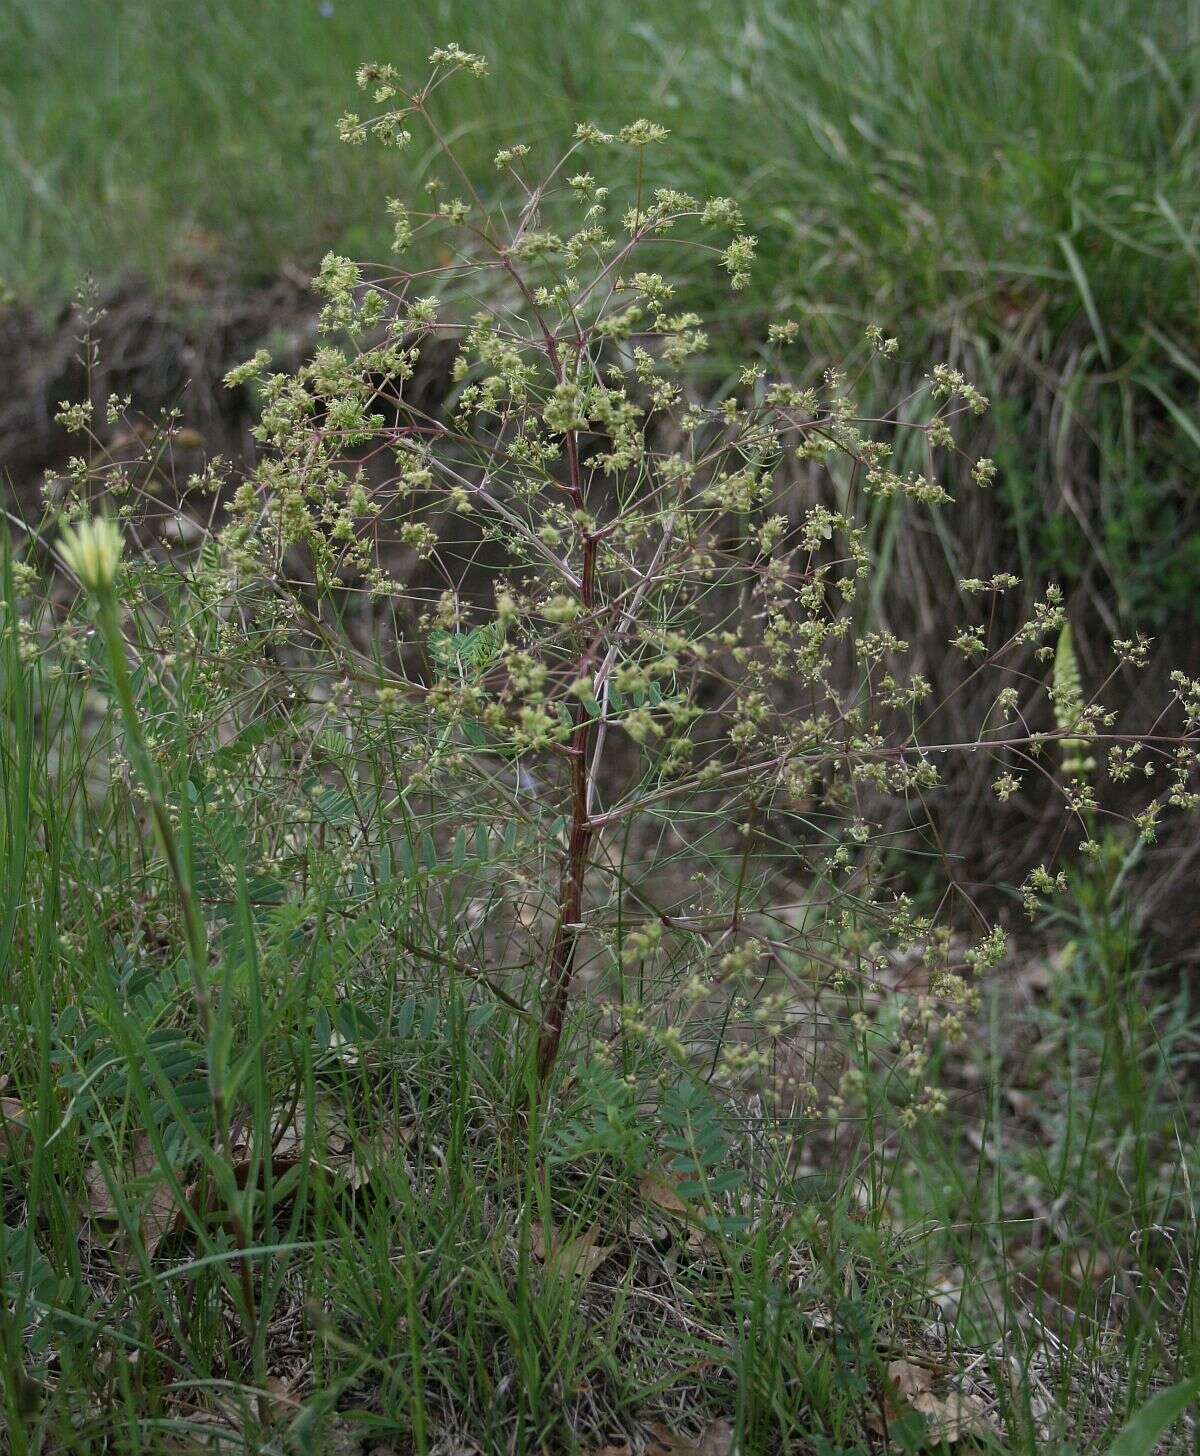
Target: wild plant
[636,618]
[570,687]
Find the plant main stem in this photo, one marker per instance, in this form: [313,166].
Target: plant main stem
[579,839]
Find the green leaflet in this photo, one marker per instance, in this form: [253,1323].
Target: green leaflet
[471,652]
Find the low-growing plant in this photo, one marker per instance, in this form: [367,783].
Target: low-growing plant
[573,692]
[674,642]
[637,618]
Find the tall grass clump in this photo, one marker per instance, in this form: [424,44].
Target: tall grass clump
[482,962]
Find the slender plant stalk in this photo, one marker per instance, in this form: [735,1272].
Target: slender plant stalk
[104,598]
[579,842]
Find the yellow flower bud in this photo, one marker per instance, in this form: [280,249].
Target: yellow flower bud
[92,550]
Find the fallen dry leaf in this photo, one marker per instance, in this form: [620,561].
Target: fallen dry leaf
[153,1200]
[950,1418]
[581,1255]
[717,1440]
[158,1216]
[333,1147]
[909,1379]
[657,1189]
[663,1440]
[15,1134]
[281,1395]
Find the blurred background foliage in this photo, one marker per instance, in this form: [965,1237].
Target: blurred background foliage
[1011,184]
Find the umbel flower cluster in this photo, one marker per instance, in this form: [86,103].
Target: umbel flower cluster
[641,613]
